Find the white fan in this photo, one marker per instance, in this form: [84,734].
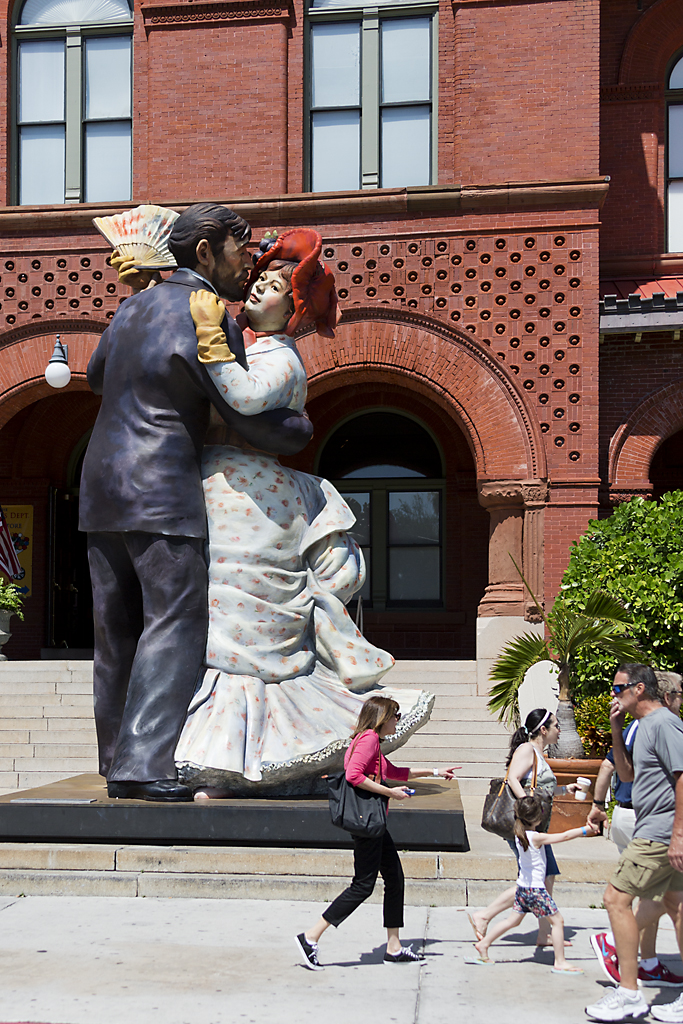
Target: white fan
[141,234]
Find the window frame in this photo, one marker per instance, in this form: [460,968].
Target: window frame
[74,36]
[370,17]
[379,488]
[672,98]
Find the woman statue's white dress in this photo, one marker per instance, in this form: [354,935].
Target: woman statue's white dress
[286,668]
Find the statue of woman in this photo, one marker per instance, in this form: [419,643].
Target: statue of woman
[286,670]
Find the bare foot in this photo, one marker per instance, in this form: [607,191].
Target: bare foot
[210,793]
[479,925]
[565,968]
[482,949]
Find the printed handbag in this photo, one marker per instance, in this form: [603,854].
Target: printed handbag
[357,810]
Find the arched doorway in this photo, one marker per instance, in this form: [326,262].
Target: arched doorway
[666,468]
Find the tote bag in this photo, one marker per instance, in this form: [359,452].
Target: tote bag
[357,810]
[498,815]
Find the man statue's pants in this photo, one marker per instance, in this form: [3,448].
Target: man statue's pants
[151,619]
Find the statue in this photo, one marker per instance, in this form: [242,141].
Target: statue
[142,504]
[286,670]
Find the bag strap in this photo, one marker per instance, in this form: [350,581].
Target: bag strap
[534,773]
[381,782]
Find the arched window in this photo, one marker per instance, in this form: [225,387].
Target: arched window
[675,158]
[73,101]
[389,469]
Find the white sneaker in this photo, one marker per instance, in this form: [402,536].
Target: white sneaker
[616,1005]
[671,1012]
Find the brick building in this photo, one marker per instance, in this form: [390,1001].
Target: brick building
[482,174]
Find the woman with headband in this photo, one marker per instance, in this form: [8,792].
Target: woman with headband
[527,745]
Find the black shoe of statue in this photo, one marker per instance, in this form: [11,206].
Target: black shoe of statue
[165,790]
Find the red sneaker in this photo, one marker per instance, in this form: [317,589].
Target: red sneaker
[661,976]
[607,956]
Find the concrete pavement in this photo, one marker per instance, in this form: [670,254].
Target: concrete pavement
[95,960]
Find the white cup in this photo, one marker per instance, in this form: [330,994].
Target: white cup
[584,787]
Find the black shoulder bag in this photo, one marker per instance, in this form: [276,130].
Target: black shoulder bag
[357,811]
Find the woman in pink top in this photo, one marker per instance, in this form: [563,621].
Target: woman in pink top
[364,763]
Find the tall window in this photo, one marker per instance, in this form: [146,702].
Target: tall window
[389,470]
[73,101]
[675,158]
[371,102]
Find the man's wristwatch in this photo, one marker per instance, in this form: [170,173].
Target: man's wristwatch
[599,803]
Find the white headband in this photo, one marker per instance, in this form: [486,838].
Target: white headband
[541,723]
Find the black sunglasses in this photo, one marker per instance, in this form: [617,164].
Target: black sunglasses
[620,687]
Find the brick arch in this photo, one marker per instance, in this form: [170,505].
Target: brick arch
[446,366]
[633,446]
[653,40]
[22,369]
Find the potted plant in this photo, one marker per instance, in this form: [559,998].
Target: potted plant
[11,603]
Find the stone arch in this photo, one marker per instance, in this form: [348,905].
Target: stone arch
[653,40]
[633,446]
[449,367]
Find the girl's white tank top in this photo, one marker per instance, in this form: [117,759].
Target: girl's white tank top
[532,865]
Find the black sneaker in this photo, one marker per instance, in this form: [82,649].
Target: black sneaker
[309,951]
[406,955]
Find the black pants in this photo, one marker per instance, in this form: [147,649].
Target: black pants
[370,858]
[151,619]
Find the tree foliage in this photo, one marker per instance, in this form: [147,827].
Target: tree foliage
[637,557]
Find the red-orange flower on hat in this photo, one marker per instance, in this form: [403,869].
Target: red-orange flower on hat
[313,292]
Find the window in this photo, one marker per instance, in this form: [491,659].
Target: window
[372,81]
[389,470]
[675,159]
[73,101]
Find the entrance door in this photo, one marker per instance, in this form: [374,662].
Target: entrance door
[70,610]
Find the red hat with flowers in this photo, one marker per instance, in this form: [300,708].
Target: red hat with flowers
[313,291]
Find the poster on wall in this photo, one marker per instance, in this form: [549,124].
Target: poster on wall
[20,524]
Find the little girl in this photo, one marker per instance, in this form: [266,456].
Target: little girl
[531,895]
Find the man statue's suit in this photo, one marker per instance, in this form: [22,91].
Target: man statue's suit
[142,504]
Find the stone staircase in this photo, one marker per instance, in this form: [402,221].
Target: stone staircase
[47,730]
[461,730]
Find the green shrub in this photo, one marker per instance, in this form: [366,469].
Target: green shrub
[10,599]
[636,556]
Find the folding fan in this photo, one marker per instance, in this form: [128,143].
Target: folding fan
[141,234]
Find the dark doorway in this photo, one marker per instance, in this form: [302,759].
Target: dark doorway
[70,595]
[666,470]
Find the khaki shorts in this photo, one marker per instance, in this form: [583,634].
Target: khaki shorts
[644,870]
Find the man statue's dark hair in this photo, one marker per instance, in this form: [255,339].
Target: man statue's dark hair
[645,675]
[209,221]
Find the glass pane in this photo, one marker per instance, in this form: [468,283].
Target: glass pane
[366,590]
[406,73]
[335,150]
[676,141]
[414,574]
[406,150]
[335,65]
[107,161]
[107,77]
[41,164]
[676,76]
[41,80]
[73,12]
[676,216]
[381,472]
[414,517]
[360,506]
[380,444]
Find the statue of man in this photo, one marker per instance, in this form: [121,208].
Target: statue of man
[142,506]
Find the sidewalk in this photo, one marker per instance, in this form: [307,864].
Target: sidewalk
[66,960]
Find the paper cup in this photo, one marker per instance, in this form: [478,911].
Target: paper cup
[584,786]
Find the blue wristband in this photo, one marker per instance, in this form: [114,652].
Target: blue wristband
[584,831]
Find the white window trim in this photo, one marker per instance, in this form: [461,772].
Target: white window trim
[369,18]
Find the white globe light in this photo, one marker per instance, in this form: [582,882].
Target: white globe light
[58,375]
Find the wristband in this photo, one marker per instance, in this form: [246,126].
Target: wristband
[435,772]
[584,831]
[599,803]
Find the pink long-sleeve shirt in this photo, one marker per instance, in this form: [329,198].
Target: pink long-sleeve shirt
[362,759]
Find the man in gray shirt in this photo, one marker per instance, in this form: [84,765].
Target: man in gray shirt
[652,863]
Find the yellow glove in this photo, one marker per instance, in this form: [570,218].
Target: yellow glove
[129,273]
[207,312]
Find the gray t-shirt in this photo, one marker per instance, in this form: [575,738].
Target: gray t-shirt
[657,754]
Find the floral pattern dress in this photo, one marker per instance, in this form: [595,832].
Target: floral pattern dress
[286,668]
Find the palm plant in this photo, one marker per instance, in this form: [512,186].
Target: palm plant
[601,623]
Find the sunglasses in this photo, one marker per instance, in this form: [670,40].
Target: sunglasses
[397,716]
[620,687]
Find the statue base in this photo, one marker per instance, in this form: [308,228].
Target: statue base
[78,810]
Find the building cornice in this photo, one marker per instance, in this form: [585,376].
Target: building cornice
[321,207]
[646,92]
[160,15]
[648,266]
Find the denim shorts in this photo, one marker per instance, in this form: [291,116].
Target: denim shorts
[551,863]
